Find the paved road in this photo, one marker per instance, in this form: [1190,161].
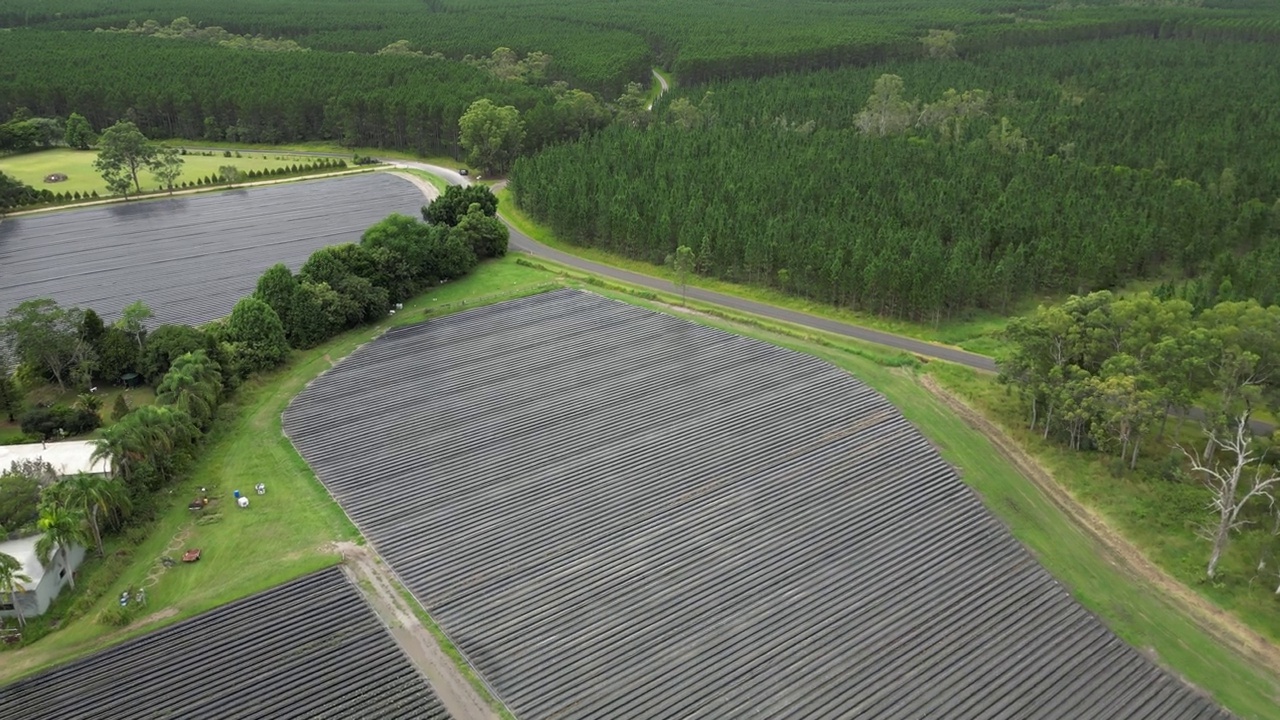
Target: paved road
[927,350]
[662,82]
[920,348]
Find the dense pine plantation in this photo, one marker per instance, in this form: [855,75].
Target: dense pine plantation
[602,45]
[179,89]
[1090,164]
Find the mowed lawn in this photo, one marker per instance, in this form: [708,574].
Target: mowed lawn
[283,534]
[77,165]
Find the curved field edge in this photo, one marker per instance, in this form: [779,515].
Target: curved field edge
[289,532]
[1132,609]
[1143,614]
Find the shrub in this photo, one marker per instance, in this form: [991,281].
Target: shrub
[226,153]
[47,421]
[117,616]
[119,408]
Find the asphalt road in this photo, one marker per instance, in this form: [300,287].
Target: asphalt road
[923,350]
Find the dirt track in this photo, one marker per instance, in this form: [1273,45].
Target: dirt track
[453,689]
[1223,627]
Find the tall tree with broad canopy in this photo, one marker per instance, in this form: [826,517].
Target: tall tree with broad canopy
[166,167]
[257,331]
[276,288]
[47,336]
[133,320]
[491,135]
[122,151]
[78,133]
[488,236]
[449,208]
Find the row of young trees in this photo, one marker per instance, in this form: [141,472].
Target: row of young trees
[1104,373]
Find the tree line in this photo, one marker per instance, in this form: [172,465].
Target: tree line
[1102,373]
[194,370]
[602,46]
[907,227]
[923,201]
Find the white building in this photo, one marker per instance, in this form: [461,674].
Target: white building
[67,458]
[45,584]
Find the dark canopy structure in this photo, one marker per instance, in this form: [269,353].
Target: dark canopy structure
[309,649]
[616,513]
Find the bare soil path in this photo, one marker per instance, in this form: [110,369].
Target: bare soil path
[1213,620]
[376,584]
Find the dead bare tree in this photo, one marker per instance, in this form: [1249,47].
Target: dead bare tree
[1223,481]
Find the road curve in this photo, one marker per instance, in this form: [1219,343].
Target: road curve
[662,83]
[921,349]
[927,350]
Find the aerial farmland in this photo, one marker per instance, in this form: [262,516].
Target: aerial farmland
[188,258]
[617,513]
[308,648]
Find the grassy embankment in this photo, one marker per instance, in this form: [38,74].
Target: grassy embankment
[1133,609]
[1160,515]
[77,165]
[977,332]
[284,534]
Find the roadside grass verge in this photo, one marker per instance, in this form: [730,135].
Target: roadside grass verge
[1135,611]
[77,165]
[436,181]
[282,535]
[1156,507]
[976,333]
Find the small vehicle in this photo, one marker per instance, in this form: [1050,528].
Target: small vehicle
[462,171]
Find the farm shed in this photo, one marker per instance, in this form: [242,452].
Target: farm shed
[613,512]
[46,582]
[310,648]
[70,457]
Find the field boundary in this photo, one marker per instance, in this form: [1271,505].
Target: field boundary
[192,191]
[1109,543]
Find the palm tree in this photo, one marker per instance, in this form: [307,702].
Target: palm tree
[63,527]
[93,494]
[192,384]
[11,579]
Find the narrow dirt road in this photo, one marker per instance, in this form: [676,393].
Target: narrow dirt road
[375,583]
[1214,621]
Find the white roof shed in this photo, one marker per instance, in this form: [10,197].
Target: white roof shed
[67,458]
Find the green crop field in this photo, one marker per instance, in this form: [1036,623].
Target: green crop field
[77,165]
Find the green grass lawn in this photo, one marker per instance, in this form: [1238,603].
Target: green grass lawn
[51,394]
[77,165]
[283,534]
[1142,617]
